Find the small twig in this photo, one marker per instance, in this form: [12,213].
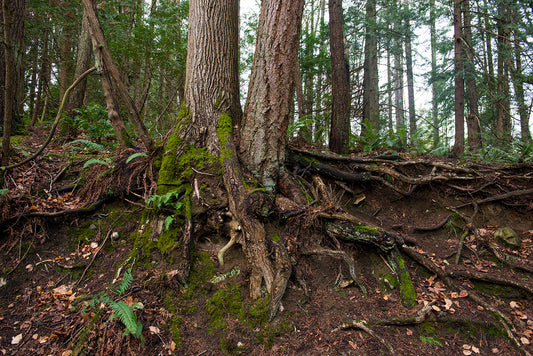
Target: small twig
[361,325]
[94,257]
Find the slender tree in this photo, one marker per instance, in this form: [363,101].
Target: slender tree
[472,119]
[458,147]
[409,70]
[370,79]
[339,138]
[434,103]
[503,102]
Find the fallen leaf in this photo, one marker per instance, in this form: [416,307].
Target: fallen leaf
[514,305]
[67,353]
[352,344]
[475,349]
[154,329]
[467,352]
[409,332]
[467,347]
[435,308]
[524,340]
[172,346]
[463,294]
[448,303]
[16,339]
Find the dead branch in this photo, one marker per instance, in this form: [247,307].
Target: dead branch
[514,193]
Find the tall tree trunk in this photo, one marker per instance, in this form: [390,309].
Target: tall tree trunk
[83,63]
[66,66]
[12,18]
[398,87]
[458,147]
[472,119]
[434,103]
[518,83]
[503,102]
[44,78]
[339,138]
[370,79]
[409,72]
[102,50]
[266,114]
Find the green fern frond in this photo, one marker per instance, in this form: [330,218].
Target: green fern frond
[90,145]
[95,161]
[127,316]
[127,280]
[135,155]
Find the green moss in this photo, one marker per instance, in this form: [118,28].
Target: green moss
[202,271]
[225,302]
[167,173]
[175,328]
[496,289]
[224,130]
[366,229]
[167,240]
[428,329]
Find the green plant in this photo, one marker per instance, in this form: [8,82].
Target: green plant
[93,120]
[96,161]
[89,145]
[135,155]
[430,340]
[121,310]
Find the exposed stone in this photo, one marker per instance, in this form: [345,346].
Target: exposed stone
[509,237]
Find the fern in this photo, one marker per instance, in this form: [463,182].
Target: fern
[430,340]
[3,192]
[127,316]
[95,161]
[135,155]
[89,145]
[127,280]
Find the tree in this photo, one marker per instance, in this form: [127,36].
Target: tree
[434,104]
[371,80]
[409,70]
[503,102]
[339,138]
[458,147]
[472,119]
[12,18]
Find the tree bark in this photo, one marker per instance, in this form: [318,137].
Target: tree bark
[503,103]
[434,104]
[211,80]
[472,119]
[263,132]
[102,50]
[339,139]
[370,79]
[409,72]
[83,63]
[458,147]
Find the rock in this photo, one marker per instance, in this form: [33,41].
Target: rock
[509,237]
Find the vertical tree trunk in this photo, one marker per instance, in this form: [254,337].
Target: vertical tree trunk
[83,63]
[398,87]
[525,134]
[266,114]
[458,147]
[339,139]
[44,78]
[503,103]
[472,119]
[370,79]
[409,72]
[434,104]
[66,66]
[9,75]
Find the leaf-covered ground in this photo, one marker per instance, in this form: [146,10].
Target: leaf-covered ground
[62,273]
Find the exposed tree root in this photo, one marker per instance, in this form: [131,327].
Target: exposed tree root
[343,256]
[356,324]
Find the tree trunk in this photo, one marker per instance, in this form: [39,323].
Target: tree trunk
[398,75]
[339,139]
[44,78]
[211,80]
[8,79]
[67,67]
[82,64]
[409,73]
[472,120]
[370,79]
[266,114]
[458,147]
[102,50]
[518,83]
[503,103]
[434,104]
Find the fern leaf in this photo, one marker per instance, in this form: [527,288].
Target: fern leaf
[127,316]
[89,144]
[127,280]
[95,161]
[135,155]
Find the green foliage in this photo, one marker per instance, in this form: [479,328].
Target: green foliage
[95,161]
[135,155]
[127,280]
[121,310]
[3,192]
[127,315]
[169,200]
[299,124]
[430,340]
[89,145]
[93,120]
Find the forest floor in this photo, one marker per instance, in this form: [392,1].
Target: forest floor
[62,274]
